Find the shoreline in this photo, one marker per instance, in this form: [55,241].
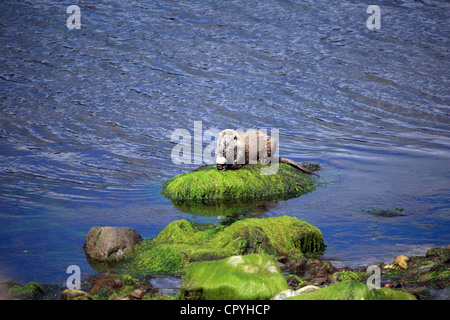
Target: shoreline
[425,277]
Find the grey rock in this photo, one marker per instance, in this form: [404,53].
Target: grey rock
[110,243]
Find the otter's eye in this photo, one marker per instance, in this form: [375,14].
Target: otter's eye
[235,138]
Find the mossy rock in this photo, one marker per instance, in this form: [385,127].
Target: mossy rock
[250,277]
[353,290]
[439,254]
[350,275]
[28,291]
[209,184]
[183,241]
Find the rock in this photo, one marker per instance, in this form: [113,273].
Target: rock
[291,293]
[399,263]
[28,291]
[109,284]
[110,243]
[106,280]
[249,277]
[439,254]
[350,275]
[313,267]
[75,294]
[353,290]
[319,281]
[207,184]
[284,294]
[137,294]
[183,241]
[425,278]
[426,268]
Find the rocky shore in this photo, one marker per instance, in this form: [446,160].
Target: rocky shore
[282,253]
[252,259]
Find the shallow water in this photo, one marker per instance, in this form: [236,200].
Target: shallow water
[87,117]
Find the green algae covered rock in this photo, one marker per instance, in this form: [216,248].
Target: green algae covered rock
[353,290]
[28,291]
[183,241]
[249,277]
[207,183]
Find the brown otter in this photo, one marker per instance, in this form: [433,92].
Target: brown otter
[234,150]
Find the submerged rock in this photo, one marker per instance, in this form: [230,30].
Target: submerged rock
[209,184]
[110,243]
[184,241]
[250,277]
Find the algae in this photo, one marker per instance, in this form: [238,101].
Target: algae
[183,242]
[380,212]
[353,290]
[28,291]
[350,275]
[250,277]
[208,184]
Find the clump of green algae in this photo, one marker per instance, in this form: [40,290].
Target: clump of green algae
[208,183]
[183,242]
[249,277]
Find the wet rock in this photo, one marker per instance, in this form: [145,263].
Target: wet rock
[75,294]
[353,290]
[439,254]
[29,291]
[183,241]
[248,277]
[110,243]
[400,262]
[426,268]
[137,294]
[291,293]
[312,267]
[319,281]
[106,281]
[350,275]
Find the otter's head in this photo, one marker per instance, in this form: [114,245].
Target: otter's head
[228,146]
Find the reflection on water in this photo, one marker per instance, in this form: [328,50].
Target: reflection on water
[87,115]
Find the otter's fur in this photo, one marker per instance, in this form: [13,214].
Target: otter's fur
[234,150]
[230,152]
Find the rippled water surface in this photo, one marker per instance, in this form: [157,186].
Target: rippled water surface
[87,115]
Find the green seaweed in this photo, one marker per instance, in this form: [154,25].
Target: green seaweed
[353,290]
[28,291]
[250,277]
[183,242]
[350,275]
[209,184]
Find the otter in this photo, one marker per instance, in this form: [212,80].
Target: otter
[234,150]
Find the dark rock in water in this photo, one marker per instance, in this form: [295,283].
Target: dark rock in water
[110,243]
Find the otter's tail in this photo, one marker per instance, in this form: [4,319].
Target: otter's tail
[296,165]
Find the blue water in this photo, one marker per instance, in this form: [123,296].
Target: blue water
[87,115]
